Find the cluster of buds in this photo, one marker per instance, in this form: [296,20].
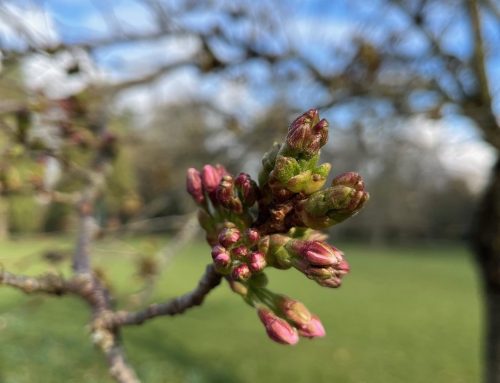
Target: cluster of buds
[274,223]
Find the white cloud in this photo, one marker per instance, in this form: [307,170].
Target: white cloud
[49,73]
[37,25]
[461,152]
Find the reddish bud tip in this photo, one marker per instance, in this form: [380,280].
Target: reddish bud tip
[218,249]
[210,177]
[307,134]
[278,329]
[317,253]
[222,260]
[312,329]
[240,252]
[252,236]
[241,272]
[257,261]
[229,236]
[247,189]
[194,185]
[350,179]
[343,267]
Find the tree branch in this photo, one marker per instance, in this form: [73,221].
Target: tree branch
[207,283]
[479,53]
[480,107]
[48,283]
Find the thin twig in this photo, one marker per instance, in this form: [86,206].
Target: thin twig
[207,283]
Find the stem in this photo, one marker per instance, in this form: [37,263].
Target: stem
[207,283]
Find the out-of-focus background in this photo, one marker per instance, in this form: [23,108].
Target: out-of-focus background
[410,88]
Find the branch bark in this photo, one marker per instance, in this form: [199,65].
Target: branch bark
[176,306]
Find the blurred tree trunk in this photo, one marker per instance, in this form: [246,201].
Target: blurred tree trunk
[486,244]
[4,220]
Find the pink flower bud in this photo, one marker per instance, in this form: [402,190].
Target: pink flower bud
[322,254]
[343,267]
[221,170]
[247,189]
[252,236]
[193,185]
[240,252]
[307,134]
[210,177]
[257,261]
[278,329]
[226,196]
[229,236]
[315,252]
[225,190]
[312,329]
[222,260]
[218,249]
[241,272]
[350,179]
[294,311]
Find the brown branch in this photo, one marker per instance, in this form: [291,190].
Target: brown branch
[207,283]
[479,108]
[48,283]
[119,369]
[479,52]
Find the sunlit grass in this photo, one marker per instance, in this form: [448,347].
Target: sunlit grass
[403,315]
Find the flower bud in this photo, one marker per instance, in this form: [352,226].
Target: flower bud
[247,189]
[221,170]
[241,272]
[252,236]
[284,169]
[268,162]
[332,282]
[193,185]
[312,329]
[218,249]
[318,272]
[293,310]
[210,177]
[240,252]
[307,134]
[330,206]
[350,179]
[229,236]
[222,260]
[315,253]
[277,328]
[343,267]
[277,255]
[257,261]
[226,196]
[238,287]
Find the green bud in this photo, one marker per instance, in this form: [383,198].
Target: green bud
[268,162]
[276,254]
[238,287]
[331,206]
[284,169]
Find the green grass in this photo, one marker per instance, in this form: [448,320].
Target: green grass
[403,315]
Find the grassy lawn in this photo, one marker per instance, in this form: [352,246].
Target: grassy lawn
[403,315]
